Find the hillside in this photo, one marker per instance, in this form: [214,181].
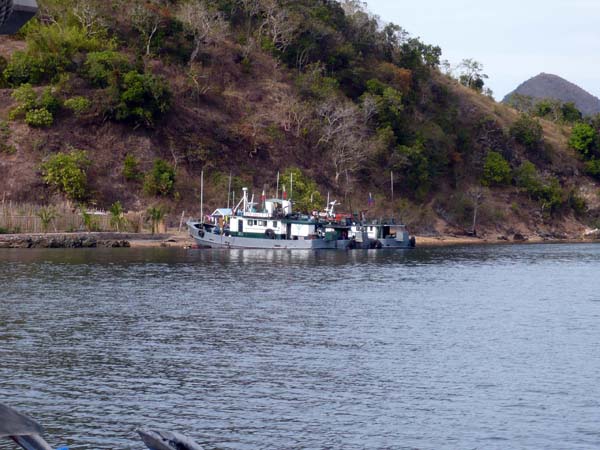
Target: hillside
[105,102]
[548,86]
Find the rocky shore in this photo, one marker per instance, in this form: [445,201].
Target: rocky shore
[79,240]
[183,240]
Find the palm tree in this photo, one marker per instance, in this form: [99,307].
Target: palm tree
[155,214]
[116,215]
[46,215]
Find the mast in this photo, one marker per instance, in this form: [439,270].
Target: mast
[229,190]
[291,185]
[392,187]
[277,188]
[202,197]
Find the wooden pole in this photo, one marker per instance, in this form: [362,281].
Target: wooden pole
[181,220]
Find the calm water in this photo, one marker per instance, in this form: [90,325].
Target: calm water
[456,348]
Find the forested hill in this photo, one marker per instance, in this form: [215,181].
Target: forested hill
[546,86]
[107,101]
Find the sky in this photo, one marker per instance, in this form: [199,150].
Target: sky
[513,39]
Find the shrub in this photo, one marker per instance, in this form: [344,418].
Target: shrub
[131,170]
[102,68]
[39,118]
[592,167]
[161,180]
[577,203]
[25,68]
[527,177]
[527,131]
[26,98]
[142,98]
[79,105]
[67,173]
[37,110]
[496,170]
[583,139]
[5,147]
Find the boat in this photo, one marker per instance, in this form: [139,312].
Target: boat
[274,225]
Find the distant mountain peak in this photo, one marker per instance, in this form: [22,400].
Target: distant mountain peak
[547,85]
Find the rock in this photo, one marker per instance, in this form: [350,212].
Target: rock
[502,238]
[518,237]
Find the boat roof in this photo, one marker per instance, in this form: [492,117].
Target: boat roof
[222,212]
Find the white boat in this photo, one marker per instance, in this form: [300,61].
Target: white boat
[275,226]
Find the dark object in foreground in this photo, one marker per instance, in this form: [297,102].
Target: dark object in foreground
[16,13]
[28,434]
[166,440]
[23,430]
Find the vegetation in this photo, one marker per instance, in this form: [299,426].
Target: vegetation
[67,173]
[496,170]
[527,131]
[323,88]
[305,193]
[117,218]
[161,180]
[155,215]
[46,215]
[131,170]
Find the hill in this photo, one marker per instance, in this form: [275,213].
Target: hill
[113,101]
[548,86]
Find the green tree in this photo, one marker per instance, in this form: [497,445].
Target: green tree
[142,98]
[131,168]
[527,131]
[161,180]
[305,194]
[584,139]
[67,172]
[496,170]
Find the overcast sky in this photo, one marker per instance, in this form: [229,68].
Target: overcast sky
[514,39]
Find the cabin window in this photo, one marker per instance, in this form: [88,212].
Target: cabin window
[250,222]
[263,223]
[274,224]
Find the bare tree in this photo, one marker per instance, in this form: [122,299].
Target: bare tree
[89,17]
[204,23]
[278,24]
[146,18]
[476,195]
[343,134]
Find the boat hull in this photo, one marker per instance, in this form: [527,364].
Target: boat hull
[212,240]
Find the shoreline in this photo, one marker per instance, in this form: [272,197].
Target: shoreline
[181,239]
